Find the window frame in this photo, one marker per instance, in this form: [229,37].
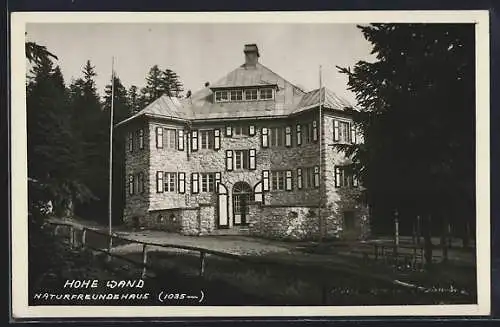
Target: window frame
[220,99]
[278,180]
[251,91]
[261,91]
[208,136]
[207,181]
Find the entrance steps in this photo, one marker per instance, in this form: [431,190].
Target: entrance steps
[235,230]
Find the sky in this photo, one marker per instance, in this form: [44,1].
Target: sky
[204,52]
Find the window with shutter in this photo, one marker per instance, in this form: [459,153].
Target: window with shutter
[131,184]
[355,181]
[251,130]
[217,139]
[316,176]
[299,135]
[315,131]
[265,137]
[229,131]
[265,180]
[182,182]
[170,181]
[288,136]
[229,160]
[159,137]
[299,178]
[288,181]
[252,159]
[180,141]
[194,140]
[195,183]
[159,182]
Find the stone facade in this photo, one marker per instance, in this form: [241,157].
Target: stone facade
[284,214]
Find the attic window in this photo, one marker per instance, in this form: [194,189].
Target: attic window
[236,95]
[266,94]
[221,96]
[251,94]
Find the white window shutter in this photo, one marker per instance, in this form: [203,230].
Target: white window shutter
[182,183]
[180,141]
[217,180]
[159,137]
[194,140]
[316,176]
[195,183]
[288,136]
[299,178]
[265,180]
[265,137]
[251,130]
[229,131]
[216,139]
[288,180]
[159,181]
[251,157]
[229,160]
[336,131]
[353,133]
[337,176]
[315,131]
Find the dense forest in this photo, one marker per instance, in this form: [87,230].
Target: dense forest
[417,112]
[68,130]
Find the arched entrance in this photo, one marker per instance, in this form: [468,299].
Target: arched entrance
[242,195]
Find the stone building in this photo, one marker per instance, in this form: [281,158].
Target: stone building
[246,154]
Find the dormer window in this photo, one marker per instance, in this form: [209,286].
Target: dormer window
[221,96]
[266,94]
[236,95]
[251,94]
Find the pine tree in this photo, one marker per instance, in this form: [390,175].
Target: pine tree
[134,100]
[155,86]
[53,150]
[417,116]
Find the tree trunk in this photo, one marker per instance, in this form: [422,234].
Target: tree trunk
[427,241]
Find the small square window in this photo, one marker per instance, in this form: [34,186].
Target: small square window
[221,96]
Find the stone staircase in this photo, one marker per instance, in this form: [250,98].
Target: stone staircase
[235,230]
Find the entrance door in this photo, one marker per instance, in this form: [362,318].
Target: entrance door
[242,194]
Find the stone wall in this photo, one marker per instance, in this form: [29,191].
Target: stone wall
[276,218]
[290,222]
[137,161]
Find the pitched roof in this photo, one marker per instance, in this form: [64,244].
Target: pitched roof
[328,99]
[289,99]
[166,107]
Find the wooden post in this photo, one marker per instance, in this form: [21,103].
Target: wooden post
[144,261]
[110,246]
[376,252]
[71,236]
[202,263]
[84,235]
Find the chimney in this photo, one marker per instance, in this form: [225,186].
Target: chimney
[251,55]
